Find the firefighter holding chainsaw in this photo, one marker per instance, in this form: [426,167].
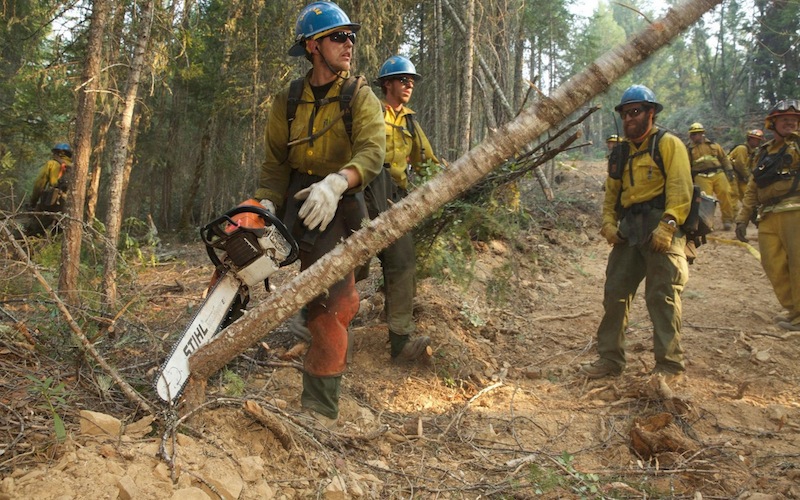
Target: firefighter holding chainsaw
[407,151]
[773,193]
[314,172]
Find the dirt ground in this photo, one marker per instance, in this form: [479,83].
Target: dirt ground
[499,411]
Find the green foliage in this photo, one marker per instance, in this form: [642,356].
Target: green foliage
[233,384]
[543,480]
[53,399]
[216,67]
[446,254]
[584,485]
[48,255]
[579,482]
[500,286]
[472,316]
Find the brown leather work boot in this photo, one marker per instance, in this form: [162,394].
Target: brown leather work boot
[601,368]
[416,348]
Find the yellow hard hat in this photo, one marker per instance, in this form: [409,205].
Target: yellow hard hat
[696,127]
[756,134]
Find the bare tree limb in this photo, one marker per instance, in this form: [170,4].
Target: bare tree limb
[129,391]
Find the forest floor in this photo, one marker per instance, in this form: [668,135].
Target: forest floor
[500,410]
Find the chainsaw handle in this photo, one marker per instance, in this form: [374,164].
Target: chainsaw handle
[214,232]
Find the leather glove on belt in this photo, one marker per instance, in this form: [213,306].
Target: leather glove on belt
[610,232]
[661,237]
[322,200]
[741,231]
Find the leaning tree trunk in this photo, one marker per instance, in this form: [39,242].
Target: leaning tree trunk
[87,102]
[423,201]
[114,217]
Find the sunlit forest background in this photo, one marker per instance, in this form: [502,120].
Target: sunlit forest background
[211,69]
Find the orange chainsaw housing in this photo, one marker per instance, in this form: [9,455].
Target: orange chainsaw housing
[248,220]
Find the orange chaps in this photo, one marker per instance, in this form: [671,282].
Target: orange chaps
[329,315]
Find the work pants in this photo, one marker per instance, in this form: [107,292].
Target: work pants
[779,243]
[737,192]
[398,260]
[665,276]
[716,184]
[330,313]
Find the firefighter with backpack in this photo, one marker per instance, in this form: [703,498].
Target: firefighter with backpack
[407,150]
[313,174]
[49,188]
[773,195]
[645,204]
[711,170]
[740,157]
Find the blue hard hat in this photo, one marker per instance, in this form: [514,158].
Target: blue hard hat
[398,65]
[638,93]
[61,146]
[315,18]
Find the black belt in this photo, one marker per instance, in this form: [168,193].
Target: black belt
[708,171]
[645,206]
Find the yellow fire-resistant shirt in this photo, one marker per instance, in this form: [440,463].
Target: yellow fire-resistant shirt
[740,160]
[330,152]
[642,180]
[707,156]
[771,198]
[401,148]
[49,175]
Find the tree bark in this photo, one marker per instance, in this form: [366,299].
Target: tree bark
[87,102]
[121,151]
[420,203]
[107,113]
[498,91]
[466,77]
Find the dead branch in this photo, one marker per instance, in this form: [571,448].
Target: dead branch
[457,418]
[273,424]
[86,345]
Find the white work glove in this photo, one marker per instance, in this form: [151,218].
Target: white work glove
[268,205]
[322,200]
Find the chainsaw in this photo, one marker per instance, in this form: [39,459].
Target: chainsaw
[246,245]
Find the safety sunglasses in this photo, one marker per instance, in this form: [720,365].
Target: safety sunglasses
[632,113]
[407,81]
[787,104]
[342,36]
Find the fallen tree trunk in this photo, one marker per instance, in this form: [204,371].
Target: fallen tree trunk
[465,172]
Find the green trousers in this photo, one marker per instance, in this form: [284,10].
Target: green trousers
[398,260]
[665,276]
